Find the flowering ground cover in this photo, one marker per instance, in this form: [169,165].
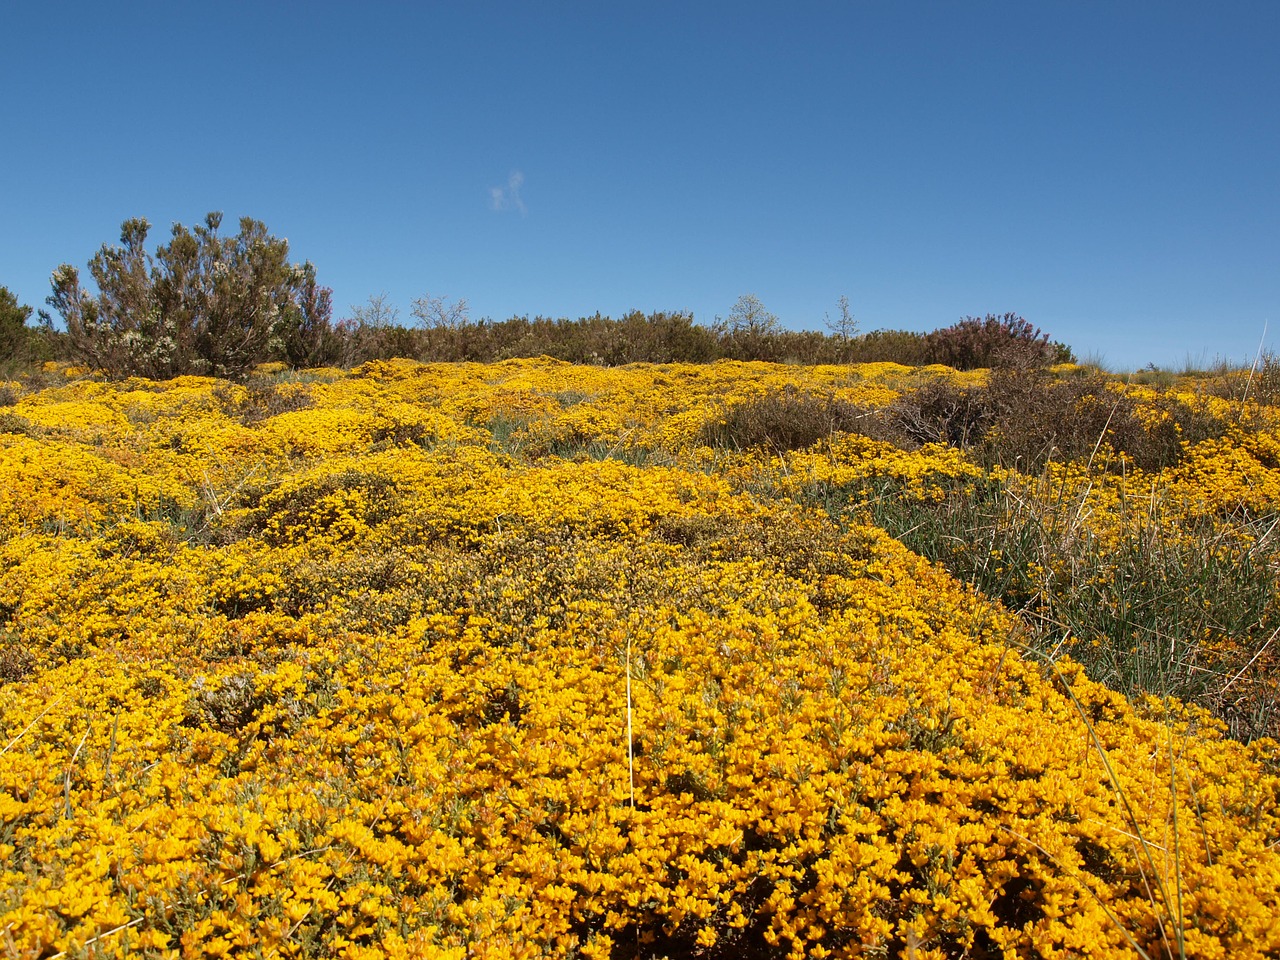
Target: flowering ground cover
[509,661]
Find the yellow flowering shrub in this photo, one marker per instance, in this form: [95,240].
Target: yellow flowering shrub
[371,677]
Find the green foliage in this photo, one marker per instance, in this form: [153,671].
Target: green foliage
[889,346]
[1263,381]
[1025,418]
[264,398]
[782,420]
[13,326]
[11,422]
[446,334]
[202,304]
[1259,381]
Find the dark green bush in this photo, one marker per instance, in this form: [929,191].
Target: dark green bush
[889,346]
[203,303]
[1025,418]
[783,420]
[1005,341]
[15,335]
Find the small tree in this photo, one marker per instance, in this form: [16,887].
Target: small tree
[749,318]
[14,333]
[843,328]
[203,304]
[440,312]
[750,329]
[378,314]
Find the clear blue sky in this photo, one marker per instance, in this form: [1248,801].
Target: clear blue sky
[1111,171]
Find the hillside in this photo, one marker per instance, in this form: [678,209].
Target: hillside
[534,659]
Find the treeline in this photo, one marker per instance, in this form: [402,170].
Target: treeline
[205,303]
[664,337]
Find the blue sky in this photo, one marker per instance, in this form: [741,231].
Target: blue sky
[1110,171]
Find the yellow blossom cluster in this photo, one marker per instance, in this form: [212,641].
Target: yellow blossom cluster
[492,661]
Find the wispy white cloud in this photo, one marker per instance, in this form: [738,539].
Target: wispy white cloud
[508,197]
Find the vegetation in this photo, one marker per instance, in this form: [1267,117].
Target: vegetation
[539,659]
[636,655]
[14,332]
[749,333]
[994,342]
[203,304]
[212,305]
[21,344]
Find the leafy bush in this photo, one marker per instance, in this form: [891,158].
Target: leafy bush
[14,333]
[16,661]
[889,346]
[11,422]
[1264,384]
[203,304]
[659,337]
[782,420]
[1005,341]
[1259,381]
[1025,418]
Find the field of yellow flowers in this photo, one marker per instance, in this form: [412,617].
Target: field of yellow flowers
[507,661]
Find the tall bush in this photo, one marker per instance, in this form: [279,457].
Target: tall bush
[203,303]
[14,333]
[1005,341]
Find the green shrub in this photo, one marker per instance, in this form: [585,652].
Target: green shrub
[1259,381]
[1023,417]
[782,420]
[888,346]
[15,335]
[202,304]
[1005,341]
